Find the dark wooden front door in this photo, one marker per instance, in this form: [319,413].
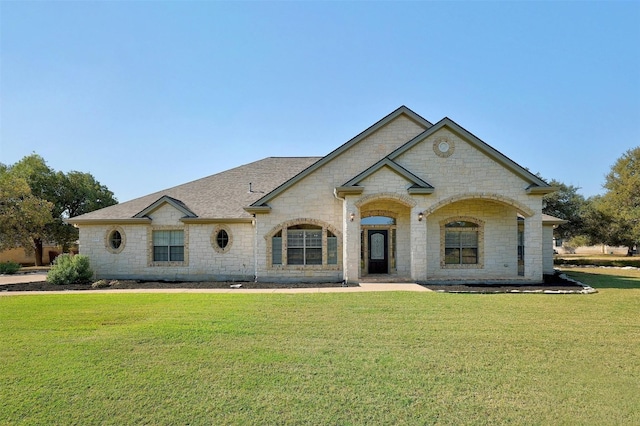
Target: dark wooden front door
[378,249]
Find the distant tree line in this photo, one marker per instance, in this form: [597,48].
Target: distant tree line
[35,200]
[612,218]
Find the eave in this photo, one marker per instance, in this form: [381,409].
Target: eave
[420,190]
[258,209]
[129,221]
[542,190]
[341,191]
[205,220]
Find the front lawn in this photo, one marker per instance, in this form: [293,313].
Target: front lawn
[605,277]
[328,358]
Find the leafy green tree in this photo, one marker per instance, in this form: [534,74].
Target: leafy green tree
[23,216]
[600,226]
[567,204]
[70,194]
[621,203]
[78,193]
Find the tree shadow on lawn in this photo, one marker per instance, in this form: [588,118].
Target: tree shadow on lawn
[598,281]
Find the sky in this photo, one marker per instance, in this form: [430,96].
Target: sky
[146,95]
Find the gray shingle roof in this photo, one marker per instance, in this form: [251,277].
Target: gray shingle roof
[222,195]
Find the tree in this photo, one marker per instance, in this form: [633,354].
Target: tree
[78,193]
[567,204]
[621,202]
[70,194]
[600,227]
[22,215]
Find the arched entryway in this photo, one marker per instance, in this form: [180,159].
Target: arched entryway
[378,242]
[385,235]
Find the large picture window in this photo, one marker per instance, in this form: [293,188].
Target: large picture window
[168,246]
[461,243]
[304,244]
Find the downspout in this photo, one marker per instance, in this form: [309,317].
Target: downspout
[344,236]
[254,222]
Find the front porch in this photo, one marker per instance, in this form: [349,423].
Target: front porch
[479,240]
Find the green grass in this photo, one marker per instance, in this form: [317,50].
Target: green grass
[596,259]
[605,277]
[330,358]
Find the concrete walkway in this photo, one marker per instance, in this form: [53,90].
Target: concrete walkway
[23,278]
[364,287]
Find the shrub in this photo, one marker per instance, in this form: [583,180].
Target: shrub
[101,284]
[9,267]
[69,269]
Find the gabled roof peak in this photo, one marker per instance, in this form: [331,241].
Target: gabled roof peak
[400,111]
[165,199]
[477,143]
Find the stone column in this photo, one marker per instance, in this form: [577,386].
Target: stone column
[350,241]
[418,244]
[533,247]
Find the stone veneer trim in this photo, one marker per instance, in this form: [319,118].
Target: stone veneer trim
[107,239]
[526,211]
[214,239]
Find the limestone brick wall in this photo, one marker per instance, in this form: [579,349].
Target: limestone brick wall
[313,197]
[166,215]
[202,261]
[131,261]
[315,192]
[466,171]
[533,260]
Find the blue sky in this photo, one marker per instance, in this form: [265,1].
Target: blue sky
[147,95]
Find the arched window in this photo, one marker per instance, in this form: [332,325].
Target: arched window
[299,243]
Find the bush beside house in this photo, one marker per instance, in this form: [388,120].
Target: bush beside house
[68,269]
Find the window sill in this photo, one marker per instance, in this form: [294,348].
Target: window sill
[306,267]
[466,266]
[167,264]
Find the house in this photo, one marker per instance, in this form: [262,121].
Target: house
[27,257]
[405,198]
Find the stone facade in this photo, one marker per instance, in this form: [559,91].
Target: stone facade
[418,176]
